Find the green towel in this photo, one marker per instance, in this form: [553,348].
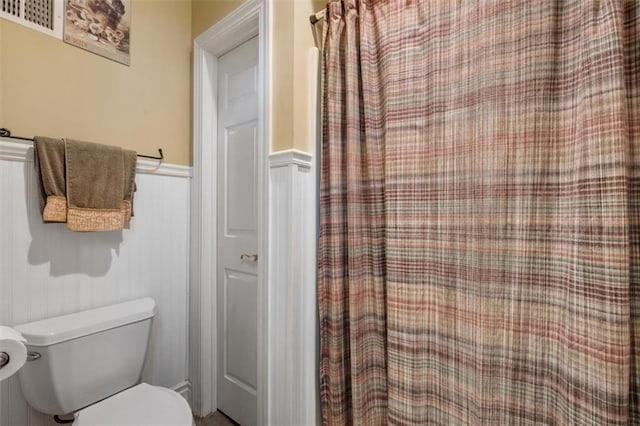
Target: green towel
[49,154]
[95,186]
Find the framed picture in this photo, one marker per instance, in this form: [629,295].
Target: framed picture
[99,26]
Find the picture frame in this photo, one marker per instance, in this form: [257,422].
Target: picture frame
[102,27]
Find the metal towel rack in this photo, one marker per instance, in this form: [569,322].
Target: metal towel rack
[6,133]
[4,359]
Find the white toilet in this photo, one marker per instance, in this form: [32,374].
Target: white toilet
[89,364]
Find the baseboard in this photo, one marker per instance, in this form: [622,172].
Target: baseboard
[184,389]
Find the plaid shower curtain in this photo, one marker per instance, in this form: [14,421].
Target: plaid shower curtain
[480,212]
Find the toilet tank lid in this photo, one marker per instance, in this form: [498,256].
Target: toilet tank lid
[67,327]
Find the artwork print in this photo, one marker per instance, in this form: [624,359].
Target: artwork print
[99,26]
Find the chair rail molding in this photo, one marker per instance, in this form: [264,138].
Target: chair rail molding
[12,150]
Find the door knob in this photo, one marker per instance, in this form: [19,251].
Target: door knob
[251,257]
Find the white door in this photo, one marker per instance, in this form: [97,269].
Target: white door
[237,277]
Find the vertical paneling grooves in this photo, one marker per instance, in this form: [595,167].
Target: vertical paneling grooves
[292,319]
[199,405]
[46,270]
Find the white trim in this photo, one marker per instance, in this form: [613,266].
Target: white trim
[184,389]
[155,167]
[12,150]
[201,337]
[290,157]
[311,354]
[292,319]
[248,20]
[232,30]
[15,151]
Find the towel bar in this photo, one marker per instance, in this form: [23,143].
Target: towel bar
[6,133]
[4,359]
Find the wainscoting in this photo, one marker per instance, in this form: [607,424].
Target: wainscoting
[46,270]
[293,338]
[293,392]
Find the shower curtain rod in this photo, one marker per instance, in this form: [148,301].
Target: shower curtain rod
[318,16]
[6,133]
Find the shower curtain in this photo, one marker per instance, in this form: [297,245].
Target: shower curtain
[480,212]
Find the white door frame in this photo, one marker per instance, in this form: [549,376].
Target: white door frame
[248,20]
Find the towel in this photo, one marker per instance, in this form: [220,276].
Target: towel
[95,186]
[88,186]
[49,160]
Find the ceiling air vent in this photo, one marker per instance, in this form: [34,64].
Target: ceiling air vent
[40,15]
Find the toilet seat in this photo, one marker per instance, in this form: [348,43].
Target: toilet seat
[140,405]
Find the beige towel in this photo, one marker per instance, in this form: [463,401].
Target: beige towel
[49,161]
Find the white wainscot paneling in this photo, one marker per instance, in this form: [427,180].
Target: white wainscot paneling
[293,384]
[46,270]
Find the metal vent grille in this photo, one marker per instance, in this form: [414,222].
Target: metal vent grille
[44,16]
[12,7]
[39,12]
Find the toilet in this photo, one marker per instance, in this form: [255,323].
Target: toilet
[85,367]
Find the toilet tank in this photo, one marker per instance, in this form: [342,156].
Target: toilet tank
[86,356]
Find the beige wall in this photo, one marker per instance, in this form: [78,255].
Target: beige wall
[292,36]
[205,13]
[302,42]
[282,75]
[50,88]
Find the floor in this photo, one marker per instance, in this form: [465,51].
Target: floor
[215,419]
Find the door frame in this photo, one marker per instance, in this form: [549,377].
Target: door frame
[248,20]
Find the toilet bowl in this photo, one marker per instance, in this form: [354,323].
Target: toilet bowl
[140,405]
[88,364]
